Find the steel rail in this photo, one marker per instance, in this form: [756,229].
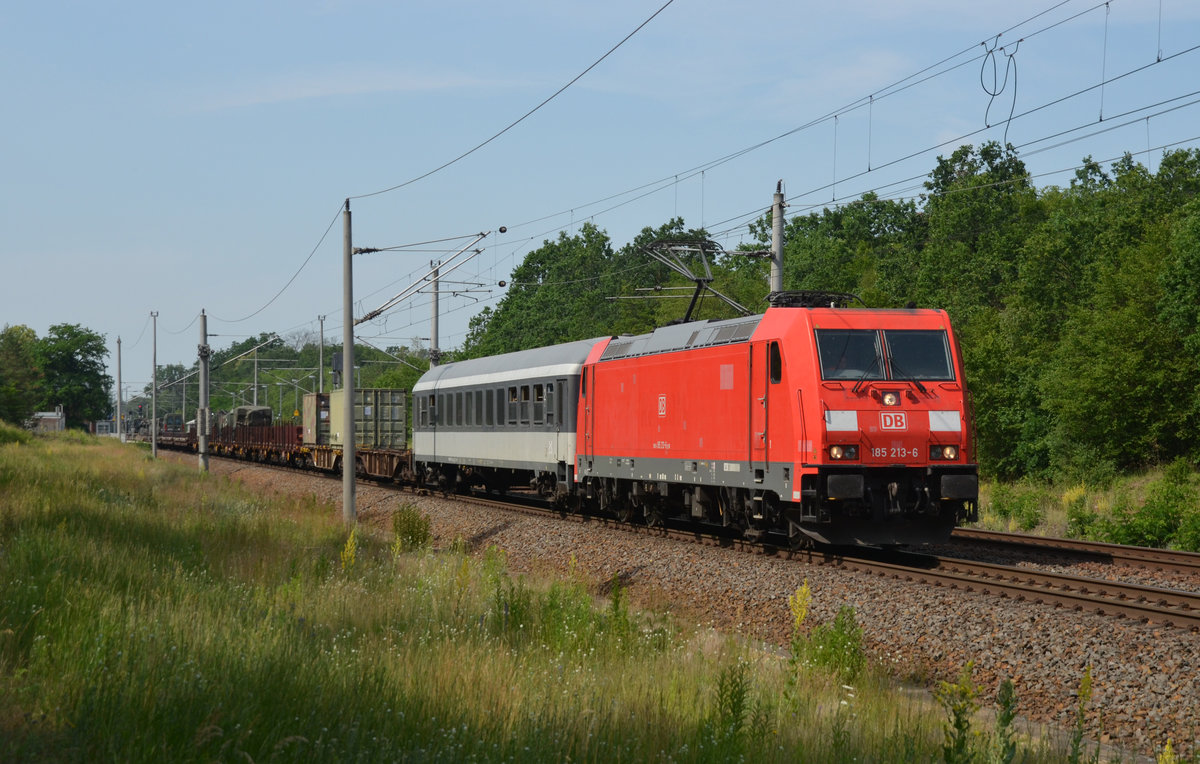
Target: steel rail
[1137,556]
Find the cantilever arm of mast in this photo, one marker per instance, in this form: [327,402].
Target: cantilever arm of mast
[448,266]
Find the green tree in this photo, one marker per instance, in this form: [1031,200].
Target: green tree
[563,291]
[1180,304]
[20,374]
[72,362]
[978,212]
[1112,385]
[867,247]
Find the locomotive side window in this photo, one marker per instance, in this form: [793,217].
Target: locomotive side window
[852,354]
[918,354]
[776,363]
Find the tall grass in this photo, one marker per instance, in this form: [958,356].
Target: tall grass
[149,613]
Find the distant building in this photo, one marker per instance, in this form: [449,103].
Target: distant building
[50,421]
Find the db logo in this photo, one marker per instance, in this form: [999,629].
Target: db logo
[662,405]
[893,420]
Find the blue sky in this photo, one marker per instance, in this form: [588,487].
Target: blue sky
[173,158]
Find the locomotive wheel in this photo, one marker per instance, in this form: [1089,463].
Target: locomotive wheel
[625,511]
[656,516]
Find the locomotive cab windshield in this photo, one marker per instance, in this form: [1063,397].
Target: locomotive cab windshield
[879,354]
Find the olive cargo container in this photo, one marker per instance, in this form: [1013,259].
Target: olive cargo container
[380,418]
[316,419]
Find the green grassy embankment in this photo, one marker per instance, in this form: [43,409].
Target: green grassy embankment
[149,613]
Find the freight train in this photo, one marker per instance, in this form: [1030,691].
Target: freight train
[808,422]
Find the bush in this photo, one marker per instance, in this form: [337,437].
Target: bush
[410,529]
[1021,503]
[10,434]
[1081,520]
[1167,516]
[1188,536]
[838,646]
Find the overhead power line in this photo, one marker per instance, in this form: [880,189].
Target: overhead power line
[523,117]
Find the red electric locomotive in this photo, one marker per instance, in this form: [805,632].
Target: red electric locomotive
[848,426]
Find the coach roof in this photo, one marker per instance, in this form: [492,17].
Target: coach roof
[555,360]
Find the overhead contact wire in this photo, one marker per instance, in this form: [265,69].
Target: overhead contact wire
[525,116]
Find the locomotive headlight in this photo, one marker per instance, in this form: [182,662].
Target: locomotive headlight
[842,453]
[891,399]
[943,453]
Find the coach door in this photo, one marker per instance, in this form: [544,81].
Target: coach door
[556,395]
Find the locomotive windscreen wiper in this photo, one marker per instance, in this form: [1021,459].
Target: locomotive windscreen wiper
[902,376]
[865,374]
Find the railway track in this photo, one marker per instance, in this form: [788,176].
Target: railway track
[1166,607]
[1163,560]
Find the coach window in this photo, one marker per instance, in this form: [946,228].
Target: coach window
[539,403]
[513,404]
[524,404]
[422,411]
[478,408]
[470,404]
[776,364]
[489,403]
[550,403]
